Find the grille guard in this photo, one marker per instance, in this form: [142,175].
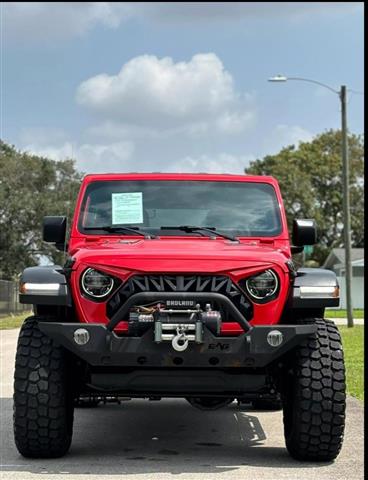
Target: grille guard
[148,297]
[163,284]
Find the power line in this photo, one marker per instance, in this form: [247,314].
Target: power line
[355,91]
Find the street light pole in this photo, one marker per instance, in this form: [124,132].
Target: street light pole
[345,187]
[346,207]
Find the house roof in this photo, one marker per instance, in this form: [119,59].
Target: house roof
[337,257]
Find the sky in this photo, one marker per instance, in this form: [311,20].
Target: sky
[175,87]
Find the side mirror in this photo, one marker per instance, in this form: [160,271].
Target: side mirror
[304,232]
[54,231]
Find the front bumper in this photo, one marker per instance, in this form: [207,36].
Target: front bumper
[105,348]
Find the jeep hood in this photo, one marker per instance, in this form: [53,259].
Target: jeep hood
[169,254]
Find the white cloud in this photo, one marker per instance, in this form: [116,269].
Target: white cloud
[42,135]
[121,157]
[63,20]
[200,12]
[285,135]
[220,163]
[109,130]
[89,157]
[235,122]
[164,95]
[60,20]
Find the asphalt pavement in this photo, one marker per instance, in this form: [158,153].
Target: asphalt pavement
[144,440]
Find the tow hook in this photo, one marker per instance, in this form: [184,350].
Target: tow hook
[180,341]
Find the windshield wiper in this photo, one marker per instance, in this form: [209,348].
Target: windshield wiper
[191,228]
[112,229]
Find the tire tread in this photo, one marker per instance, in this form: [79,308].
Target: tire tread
[43,412]
[318,415]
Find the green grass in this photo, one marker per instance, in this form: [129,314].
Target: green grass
[357,313]
[353,344]
[13,321]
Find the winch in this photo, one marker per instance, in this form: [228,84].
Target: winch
[178,325]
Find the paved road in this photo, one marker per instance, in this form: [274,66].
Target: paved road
[155,440]
[344,321]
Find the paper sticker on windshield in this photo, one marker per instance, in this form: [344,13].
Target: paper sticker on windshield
[127,208]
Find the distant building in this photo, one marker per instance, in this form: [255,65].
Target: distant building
[336,262]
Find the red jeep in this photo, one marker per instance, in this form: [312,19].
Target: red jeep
[179,285]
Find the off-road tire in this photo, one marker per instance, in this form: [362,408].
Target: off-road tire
[314,396]
[43,400]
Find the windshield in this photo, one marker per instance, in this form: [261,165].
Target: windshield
[237,208]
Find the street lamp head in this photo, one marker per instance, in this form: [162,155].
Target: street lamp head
[278,78]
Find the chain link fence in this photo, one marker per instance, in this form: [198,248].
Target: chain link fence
[9,302]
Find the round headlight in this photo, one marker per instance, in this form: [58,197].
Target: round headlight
[263,285]
[96,284]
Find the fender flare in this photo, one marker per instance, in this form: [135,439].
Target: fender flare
[314,288]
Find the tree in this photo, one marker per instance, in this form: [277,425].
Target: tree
[30,188]
[310,178]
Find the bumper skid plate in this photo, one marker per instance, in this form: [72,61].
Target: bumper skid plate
[255,348]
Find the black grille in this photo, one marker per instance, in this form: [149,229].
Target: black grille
[181,283]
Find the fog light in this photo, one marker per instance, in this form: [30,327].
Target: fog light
[81,336]
[275,338]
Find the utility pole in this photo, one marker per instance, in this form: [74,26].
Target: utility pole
[345,185]
[346,207]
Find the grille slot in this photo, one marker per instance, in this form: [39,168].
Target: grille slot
[181,283]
